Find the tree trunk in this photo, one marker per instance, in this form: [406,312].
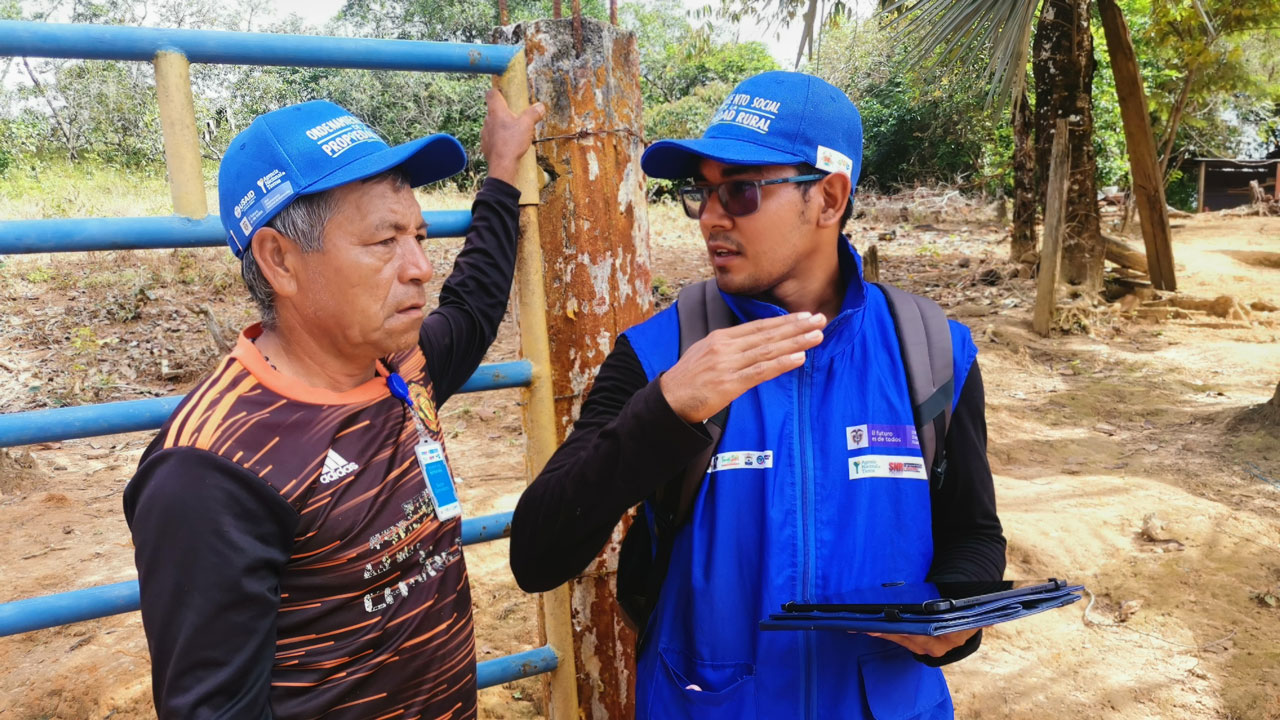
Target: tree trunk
[595,253]
[1024,185]
[1171,128]
[1063,65]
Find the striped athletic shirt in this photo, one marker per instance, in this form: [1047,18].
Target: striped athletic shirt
[290,561]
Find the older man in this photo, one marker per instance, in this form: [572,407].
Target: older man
[297,539]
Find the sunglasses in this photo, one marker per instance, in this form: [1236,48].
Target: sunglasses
[737,197]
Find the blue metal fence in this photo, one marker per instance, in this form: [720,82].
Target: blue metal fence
[55,424]
[117,42]
[77,235]
[151,233]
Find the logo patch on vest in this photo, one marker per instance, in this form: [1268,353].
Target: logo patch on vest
[745,459]
[887,436]
[893,466]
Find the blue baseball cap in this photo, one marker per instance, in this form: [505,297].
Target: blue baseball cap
[775,118]
[309,148]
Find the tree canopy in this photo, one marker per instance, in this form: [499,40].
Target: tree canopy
[1211,69]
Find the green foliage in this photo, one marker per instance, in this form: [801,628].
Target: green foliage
[685,72]
[917,126]
[1227,59]
[1110,152]
[920,125]
[814,16]
[1223,66]
[677,60]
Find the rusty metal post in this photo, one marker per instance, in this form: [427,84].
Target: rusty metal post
[577,26]
[541,436]
[595,243]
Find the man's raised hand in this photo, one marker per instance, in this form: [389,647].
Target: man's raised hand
[507,136]
[714,371]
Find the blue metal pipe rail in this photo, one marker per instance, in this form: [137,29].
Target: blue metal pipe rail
[513,667]
[37,426]
[118,42]
[152,233]
[49,611]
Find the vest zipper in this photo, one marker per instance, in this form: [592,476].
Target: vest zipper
[807,534]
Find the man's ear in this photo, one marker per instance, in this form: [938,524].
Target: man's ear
[278,258]
[835,189]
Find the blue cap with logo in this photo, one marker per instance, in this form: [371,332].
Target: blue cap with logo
[309,148]
[775,118]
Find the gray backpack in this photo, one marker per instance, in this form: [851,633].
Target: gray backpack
[925,340]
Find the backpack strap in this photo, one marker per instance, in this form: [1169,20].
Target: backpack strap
[701,309]
[924,337]
[646,550]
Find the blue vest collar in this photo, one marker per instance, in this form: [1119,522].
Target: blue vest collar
[855,295]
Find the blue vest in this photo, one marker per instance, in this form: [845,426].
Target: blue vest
[817,488]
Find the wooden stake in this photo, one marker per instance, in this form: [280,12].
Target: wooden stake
[871,265]
[539,398]
[1200,190]
[1148,182]
[181,141]
[1055,217]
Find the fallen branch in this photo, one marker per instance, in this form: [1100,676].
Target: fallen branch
[1125,255]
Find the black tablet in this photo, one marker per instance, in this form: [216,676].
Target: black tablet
[926,598]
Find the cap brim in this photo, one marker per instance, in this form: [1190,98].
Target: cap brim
[426,160]
[674,159]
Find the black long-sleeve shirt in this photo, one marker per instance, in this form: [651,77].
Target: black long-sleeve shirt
[628,441]
[289,562]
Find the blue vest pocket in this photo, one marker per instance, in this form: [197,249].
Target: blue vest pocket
[899,688]
[728,687]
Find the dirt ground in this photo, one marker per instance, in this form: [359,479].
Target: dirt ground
[1119,464]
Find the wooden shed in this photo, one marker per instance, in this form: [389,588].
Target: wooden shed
[1224,182]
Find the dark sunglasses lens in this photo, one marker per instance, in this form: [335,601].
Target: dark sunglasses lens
[740,198]
[694,200]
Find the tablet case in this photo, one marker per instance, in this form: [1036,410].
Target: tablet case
[889,621]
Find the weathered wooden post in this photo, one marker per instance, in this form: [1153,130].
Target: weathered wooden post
[1148,183]
[871,265]
[595,245]
[1055,218]
[1200,189]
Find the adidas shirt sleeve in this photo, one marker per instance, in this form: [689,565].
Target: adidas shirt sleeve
[211,540]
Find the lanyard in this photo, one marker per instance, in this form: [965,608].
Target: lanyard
[400,391]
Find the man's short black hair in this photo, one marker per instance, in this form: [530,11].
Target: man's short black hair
[807,169]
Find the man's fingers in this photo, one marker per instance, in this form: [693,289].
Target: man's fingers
[926,645]
[781,324]
[495,101]
[765,371]
[533,114]
[770,345]
[766,340]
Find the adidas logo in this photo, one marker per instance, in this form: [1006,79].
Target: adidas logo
[336,467]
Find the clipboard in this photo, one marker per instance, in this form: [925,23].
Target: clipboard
[926,608]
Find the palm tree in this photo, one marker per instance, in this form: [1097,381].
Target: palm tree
[953,31]
[1062,62]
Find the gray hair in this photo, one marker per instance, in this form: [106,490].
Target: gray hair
[302,221]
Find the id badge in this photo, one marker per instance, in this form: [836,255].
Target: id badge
[439,481]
